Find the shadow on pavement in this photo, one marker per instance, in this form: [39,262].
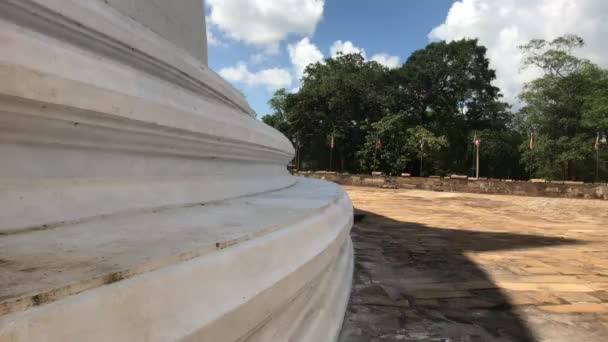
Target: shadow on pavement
[415,283]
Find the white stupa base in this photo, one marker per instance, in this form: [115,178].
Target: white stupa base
[270,267]
[140,198]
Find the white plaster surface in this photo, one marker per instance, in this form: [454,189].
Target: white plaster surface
[100,34]
[73,123]
[182,24]
[274,264]
[140,199]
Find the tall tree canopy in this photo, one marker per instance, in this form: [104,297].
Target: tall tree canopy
[341,97]
[421,117]
[447,89]
[565,108]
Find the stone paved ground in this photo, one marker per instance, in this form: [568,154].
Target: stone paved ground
[461,267]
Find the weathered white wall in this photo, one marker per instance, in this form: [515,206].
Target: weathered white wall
[182,22]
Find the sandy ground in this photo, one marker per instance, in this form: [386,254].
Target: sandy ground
[434,266]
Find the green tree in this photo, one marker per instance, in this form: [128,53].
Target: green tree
[498,153]
[399,146]
[278,119]
[441,96]
[442,93]
[595,107]
[563,108]
[342,97]
[447,89]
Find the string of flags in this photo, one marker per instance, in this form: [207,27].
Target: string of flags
[477,142]
[596,144]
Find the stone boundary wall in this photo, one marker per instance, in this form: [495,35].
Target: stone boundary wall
[463,184]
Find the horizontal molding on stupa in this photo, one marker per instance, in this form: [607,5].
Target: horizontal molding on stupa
[95,26]
[45,71]
[44,123]
[85,134]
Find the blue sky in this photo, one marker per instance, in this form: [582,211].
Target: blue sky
[396,29]
[262,45]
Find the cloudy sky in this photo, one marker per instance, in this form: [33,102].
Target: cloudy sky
[264,45]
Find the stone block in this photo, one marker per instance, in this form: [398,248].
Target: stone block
[577,297]
[576,308]
[373,181]
[519,286]
[407,186]
[389,186]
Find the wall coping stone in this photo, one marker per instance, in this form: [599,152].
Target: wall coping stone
[537,188]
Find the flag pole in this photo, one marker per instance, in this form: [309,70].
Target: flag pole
[597,165]
[375,160]
[476,143]
[597,157]
[531,154]
[531,163]
[473,159]
[378,146]
[331,151]
[298,154]
[421,156]
[477,163]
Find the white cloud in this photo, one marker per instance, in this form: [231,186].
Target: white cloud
[503,25]
[265,22]
[272,79]
[346,48]
[258,58]
[212,39]
[302,54]
[386,60]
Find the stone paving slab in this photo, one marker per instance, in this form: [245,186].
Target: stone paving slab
[460,267]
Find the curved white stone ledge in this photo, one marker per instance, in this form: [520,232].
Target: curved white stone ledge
[97,27]
[278,267]
[83,135]
[140,199]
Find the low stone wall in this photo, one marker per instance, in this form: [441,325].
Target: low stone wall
[462,184]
